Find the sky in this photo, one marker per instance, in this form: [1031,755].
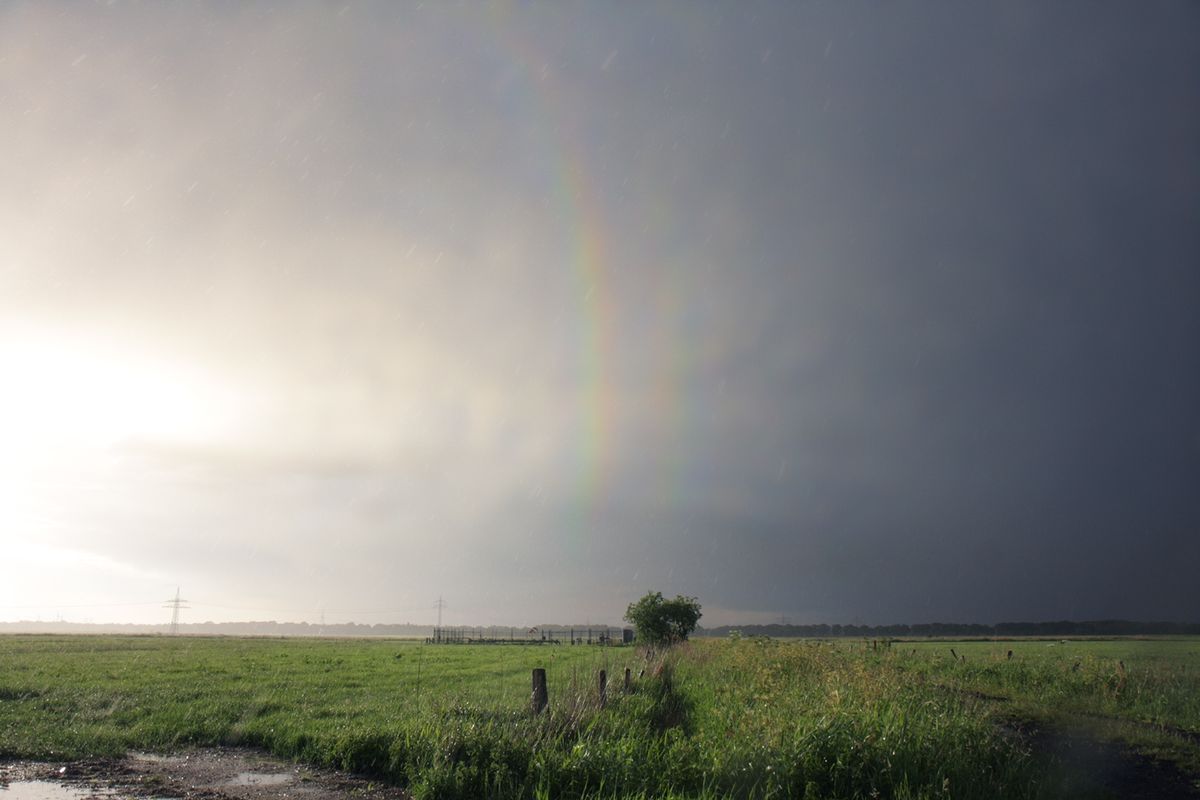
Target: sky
[825,312]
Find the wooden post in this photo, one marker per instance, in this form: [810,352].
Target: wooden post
[628,679]
[603,688]
[540,696]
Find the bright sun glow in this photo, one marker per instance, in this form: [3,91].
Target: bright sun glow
[62,394]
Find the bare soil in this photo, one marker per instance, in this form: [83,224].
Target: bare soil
[209,774]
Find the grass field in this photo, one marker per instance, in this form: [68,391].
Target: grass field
[715,718]
[1142,692]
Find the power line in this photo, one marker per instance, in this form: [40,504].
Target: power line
[201,604]
[76,605]
[354,611]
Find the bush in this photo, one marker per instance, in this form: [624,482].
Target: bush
[660,621]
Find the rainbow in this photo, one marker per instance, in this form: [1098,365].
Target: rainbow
[586,230]
[588,265]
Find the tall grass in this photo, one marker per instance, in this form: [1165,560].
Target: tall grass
[748,718]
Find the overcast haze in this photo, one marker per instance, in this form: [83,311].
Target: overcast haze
[845,312]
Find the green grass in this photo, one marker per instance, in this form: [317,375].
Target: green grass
[716,718]
[1144,692]
[1154,681]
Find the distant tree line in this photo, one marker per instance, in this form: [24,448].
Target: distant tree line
[1104,627]
[250,628]
[1113,627]
[272,628]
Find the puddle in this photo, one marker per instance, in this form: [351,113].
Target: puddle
[47,790]
[200,774]
[261,779]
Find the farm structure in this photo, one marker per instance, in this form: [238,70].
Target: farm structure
[594,635]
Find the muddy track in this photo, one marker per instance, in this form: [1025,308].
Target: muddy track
[1151,727]
[1091,767]
[1084,765]
[1096,767]
[208,774]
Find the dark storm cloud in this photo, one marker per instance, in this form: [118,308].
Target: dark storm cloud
[972,303]
[901,301]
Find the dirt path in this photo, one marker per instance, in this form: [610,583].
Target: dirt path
[210,774]
[1092,767]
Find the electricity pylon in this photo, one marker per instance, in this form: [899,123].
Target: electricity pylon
[175,605]
[439,605]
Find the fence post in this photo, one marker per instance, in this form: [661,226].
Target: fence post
[603,688]
[628,679]
[540,696]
